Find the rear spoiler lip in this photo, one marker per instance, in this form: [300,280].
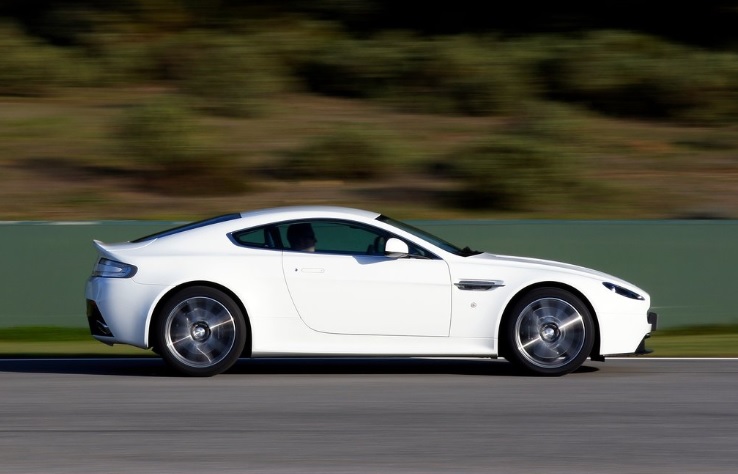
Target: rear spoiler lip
[111,250]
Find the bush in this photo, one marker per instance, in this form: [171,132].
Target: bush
[629,74]
[348,68]
[31,68]
[478,78]
[511,173]
[289,41]
[161,134]
[347,153]
[169,151]
[226,74]
[458,75]
[121,59]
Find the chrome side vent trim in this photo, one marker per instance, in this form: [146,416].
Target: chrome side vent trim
[479,285]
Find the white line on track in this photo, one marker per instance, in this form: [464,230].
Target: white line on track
[133,359]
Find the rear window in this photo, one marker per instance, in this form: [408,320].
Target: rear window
[190,226]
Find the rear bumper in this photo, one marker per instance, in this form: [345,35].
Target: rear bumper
[117,310]
[98,327]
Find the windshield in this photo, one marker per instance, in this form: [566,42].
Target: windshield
[428,237]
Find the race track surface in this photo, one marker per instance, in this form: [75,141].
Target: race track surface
[368,415]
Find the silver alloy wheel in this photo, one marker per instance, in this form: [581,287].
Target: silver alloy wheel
[550,333]
[200,332]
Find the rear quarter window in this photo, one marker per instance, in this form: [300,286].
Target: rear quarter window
[186,227]
[265,237]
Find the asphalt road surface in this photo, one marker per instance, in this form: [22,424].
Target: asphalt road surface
[367,416]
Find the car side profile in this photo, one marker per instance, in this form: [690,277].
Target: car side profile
[336,282]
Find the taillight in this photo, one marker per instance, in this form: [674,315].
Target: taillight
[107,268]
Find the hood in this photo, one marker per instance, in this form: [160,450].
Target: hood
[509,260]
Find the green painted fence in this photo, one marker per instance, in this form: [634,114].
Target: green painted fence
[690,268]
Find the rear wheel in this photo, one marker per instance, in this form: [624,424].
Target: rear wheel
[549,332]
[200,331]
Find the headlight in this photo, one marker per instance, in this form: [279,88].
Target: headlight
[107,268]
[623,291]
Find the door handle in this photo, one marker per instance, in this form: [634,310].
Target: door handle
[312,270]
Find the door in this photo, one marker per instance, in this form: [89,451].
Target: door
[343,284]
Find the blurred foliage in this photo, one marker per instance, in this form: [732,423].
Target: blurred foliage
[458,75]
[229,74]
[537,160]
[348,152]
[162,134]
[541,70]
[709,24]
[165,142]
[635,75]
[28,67]
[508,172]
[232,56]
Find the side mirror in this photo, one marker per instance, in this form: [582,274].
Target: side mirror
[396,248]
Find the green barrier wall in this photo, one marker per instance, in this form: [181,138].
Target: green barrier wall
[45,267]
[688,267]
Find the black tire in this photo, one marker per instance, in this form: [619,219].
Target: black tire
[200,331]
[549,331]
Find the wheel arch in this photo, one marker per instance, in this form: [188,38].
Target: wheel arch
[546,284]
[165,298]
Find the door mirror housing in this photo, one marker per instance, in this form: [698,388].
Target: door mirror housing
[396,248]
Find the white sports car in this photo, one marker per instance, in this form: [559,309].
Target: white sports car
[330,281]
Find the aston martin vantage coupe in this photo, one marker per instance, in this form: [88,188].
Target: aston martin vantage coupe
[338,282]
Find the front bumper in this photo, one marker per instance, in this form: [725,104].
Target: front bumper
[653,319]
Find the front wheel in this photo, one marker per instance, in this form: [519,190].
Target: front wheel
[200,331]
[549,332]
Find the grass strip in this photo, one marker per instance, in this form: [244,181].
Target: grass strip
[69,349]
[44,334]
[700,345]
[695,341]
[49,341]
[699,341]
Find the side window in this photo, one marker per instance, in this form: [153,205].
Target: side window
[260,237]
[336,237]
[322,236]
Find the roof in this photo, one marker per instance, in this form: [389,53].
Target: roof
[299,212]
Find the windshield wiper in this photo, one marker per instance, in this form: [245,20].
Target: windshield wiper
[467,252]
